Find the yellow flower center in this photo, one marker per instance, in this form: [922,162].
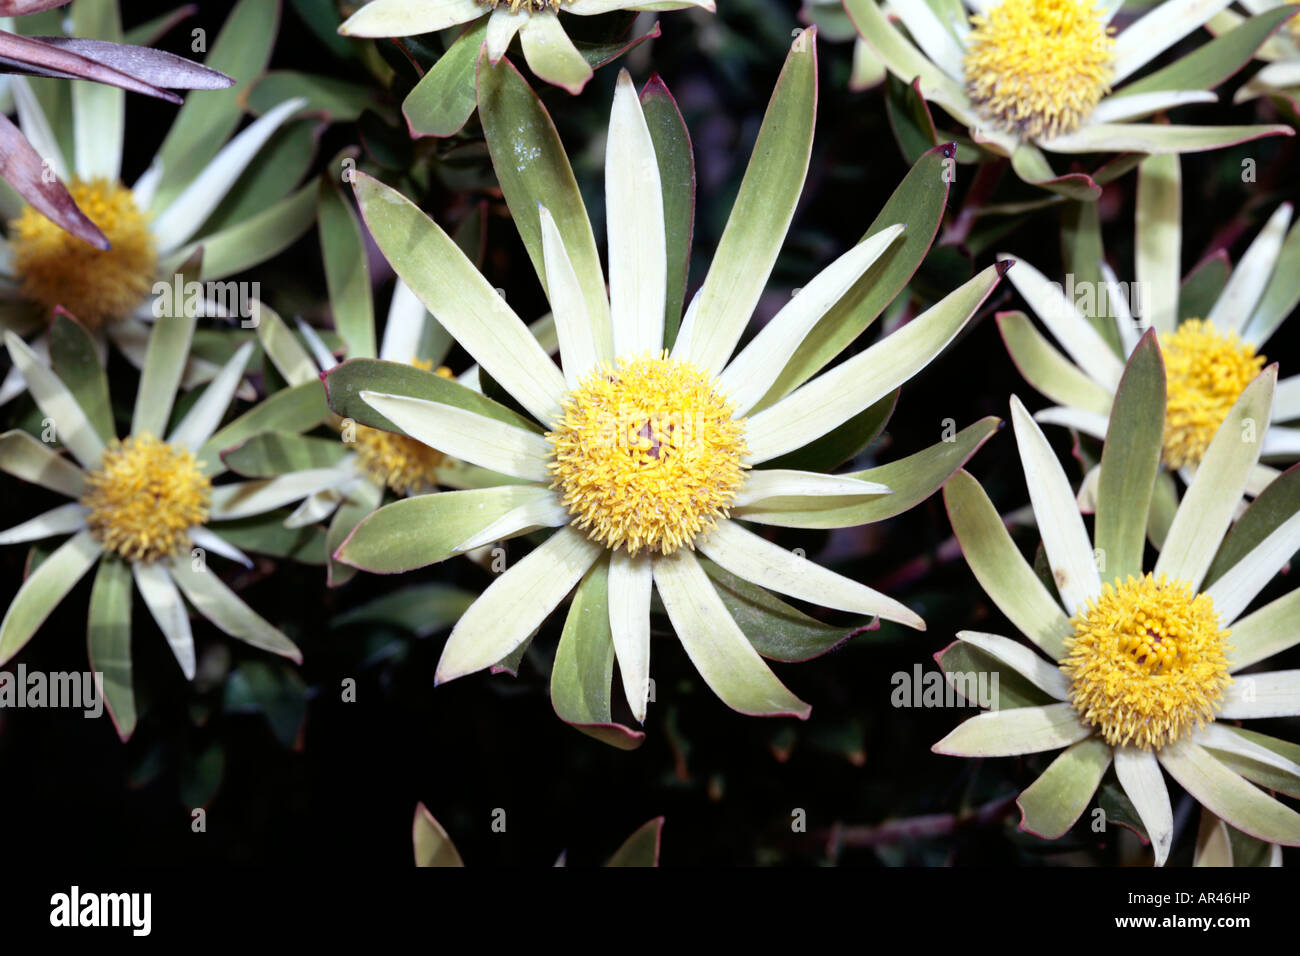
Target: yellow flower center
[145,497]
[401,463]
[1147,662]
[1038,68]
[527,6]
[1207,372]
[647,455]
[95,285]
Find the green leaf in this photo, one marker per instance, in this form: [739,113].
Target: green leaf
[281,164]
[1130,459]
[1014,690]
[1118,808]
[44,588]
[23,456]
[1206,512]
[297,409]
[1033,167]
[778,631]
[347,381]
[1083,254]
[673,153]
[843,443]
[1268,777]
[451,288]
[919,203]
[533,169]
[75,361]
[433,847]
[211,597]
[266,534]
[1228,796]
[912,479]
[761,214]
[347,272]
[278,453]
[1274,505]
[583,673]
[1202,286]
[909,118]
[416,532]
[254,240]
[1053,802]
[339,101]
[241,50]
[363,498]
[98,109]
[442,102]
[1044,367]
[1280,296]
[108,640]
[1212,63]
[1001,569]
[641,848]
[422,609]
[164,363]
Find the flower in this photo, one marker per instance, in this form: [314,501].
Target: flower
[194,196]
[145,506]
[1145,668]
[1210,332]
[98,59]
[1280,76]
[645,449]
[547,48]
[1028,76]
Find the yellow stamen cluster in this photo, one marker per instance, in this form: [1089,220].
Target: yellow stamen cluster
[1207,372]
[1147,662]
[95,285]
[399,462]
[1038,68]
[528,6]
[145,497]
[647,454]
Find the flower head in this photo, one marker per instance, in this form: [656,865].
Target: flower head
[145,508]
[105,60]
[145,498]
[645,451]
[1038,68]
[1208,370]
[157,224]
[1209,361]
[647,454]
[56,268]
[1141,668]
[1027,77]
[1147,662]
